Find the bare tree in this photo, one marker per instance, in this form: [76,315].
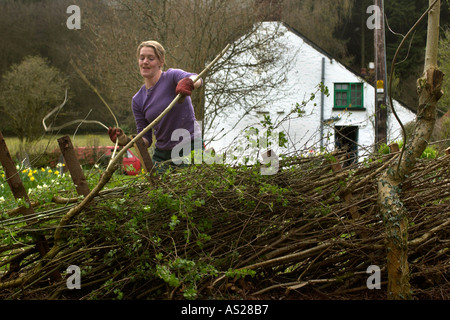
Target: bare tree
[107,56]
[246,78]
[390,183]
[192,32]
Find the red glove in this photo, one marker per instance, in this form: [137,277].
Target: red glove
[185,87]
[117,133]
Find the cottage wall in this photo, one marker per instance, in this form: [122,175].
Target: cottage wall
[304,133]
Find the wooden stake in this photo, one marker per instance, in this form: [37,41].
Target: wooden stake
[393,147]
[144,156]
[19,192]
[70,158]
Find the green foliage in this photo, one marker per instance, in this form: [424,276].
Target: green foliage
[430,152]
[180,271]
[171,239]
[41,184]
[29,90]
[179,215]
[279,192]
[266,135]
[240,273]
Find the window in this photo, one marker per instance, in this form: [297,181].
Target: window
[348,95]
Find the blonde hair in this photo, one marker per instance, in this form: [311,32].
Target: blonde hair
[159,49]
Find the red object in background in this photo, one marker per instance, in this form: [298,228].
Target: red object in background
[92,155]
[131,163]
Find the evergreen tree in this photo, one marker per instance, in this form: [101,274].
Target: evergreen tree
[29,90]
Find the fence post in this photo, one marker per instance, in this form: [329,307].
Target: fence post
[71,160]
[13,179]
[394,147]
[19,192]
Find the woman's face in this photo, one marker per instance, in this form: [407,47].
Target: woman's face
[149,64]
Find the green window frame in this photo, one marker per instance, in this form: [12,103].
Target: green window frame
[349,95]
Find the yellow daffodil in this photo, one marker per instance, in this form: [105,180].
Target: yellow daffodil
[49,171]
[56,172]
[31,178]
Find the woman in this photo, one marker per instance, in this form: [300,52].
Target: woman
[159,90]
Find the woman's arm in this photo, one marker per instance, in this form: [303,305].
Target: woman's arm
[141,122]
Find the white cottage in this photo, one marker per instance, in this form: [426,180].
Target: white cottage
[343,116]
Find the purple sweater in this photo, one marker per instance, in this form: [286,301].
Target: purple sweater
[148,104]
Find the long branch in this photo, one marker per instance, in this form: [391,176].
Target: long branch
[112,165]
[391,75]
[103,180]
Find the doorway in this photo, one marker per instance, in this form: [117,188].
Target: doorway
[346,139]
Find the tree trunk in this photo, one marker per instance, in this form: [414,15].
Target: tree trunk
[389,185]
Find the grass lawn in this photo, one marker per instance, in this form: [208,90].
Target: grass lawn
[49,142]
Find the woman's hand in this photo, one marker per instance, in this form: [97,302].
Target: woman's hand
[184,87]
[117,133]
